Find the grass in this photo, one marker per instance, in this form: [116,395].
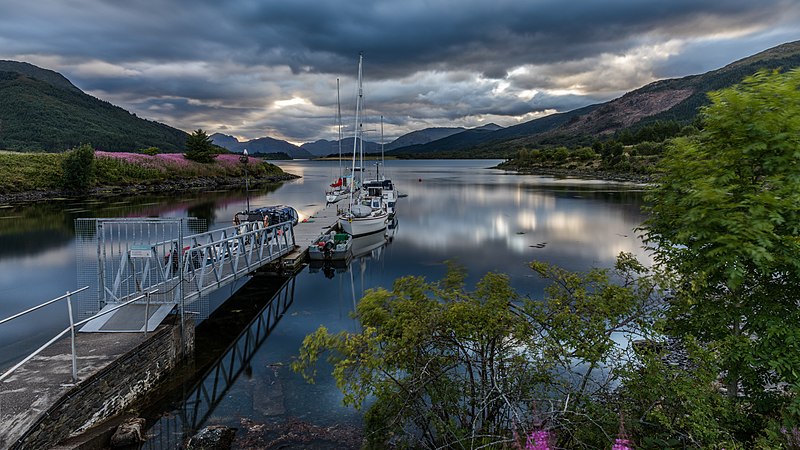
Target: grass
[30,171]
[21,172]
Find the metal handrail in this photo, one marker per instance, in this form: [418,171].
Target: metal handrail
[70,328]
[8,319]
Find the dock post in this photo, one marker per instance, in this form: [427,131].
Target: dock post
[72,337]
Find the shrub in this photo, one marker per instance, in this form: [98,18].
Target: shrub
[560,154]
[79,167]
[585,154]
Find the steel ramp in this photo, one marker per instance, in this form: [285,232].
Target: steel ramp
[128,319]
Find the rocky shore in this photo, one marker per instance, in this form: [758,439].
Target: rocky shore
[162,187]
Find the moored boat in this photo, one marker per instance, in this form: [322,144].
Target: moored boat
[364,218]
[331,246]
[270,215]
[344,185]
[382,186]
[340,189]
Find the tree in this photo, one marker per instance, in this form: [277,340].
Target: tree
[724,216]
[199,147]
[79,168]
[451,368]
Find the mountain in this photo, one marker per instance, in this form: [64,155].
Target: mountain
[43,111]
[260,145]
[676,100]
[325,147]
[422,137]
[453,142]
[322,147]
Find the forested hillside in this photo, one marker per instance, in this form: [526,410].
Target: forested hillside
[42,111]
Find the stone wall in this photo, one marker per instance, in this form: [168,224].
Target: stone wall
[114,388]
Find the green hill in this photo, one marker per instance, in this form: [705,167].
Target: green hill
[42,111]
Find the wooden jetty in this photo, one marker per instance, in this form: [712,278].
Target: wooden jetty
[306,232]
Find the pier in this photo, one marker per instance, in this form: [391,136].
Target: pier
[147,279]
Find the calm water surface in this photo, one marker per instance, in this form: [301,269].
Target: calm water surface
[487,220]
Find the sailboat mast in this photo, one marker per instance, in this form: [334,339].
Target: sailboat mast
[358,144]
[356,128]
[339,125]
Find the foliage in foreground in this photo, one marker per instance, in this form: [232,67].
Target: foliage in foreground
[453,368]
[724,217]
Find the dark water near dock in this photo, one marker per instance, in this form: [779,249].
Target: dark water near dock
[487,220]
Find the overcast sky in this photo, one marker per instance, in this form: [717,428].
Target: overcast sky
[253,68]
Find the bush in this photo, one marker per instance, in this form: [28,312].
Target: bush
[560,154]
[585,154]
[79,167]
[151,151]
[649,148]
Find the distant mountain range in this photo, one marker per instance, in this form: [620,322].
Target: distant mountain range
[260,145]
[422,137]
[452,142]
[324,147]
[42,111]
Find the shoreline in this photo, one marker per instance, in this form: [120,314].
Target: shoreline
[580,173]
[179,185]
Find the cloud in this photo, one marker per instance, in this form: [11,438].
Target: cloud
[224,65]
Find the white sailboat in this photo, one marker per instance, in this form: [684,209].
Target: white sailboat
[365,213]
[344,184]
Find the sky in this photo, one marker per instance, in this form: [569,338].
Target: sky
[254,68]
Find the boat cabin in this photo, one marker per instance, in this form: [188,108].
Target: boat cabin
[270,215]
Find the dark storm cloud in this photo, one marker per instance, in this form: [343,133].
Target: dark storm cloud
[255,67]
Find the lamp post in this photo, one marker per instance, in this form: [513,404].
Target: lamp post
[243,159]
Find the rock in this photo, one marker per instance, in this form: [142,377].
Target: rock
[128,433]
[212,437]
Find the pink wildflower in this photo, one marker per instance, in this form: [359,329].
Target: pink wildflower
[174,158]
[538,440]
[232,160]
[622,443]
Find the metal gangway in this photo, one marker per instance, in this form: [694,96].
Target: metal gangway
[171,264]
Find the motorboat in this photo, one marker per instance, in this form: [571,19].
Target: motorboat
[331,246]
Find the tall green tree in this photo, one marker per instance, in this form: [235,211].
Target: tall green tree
[199,147]
[725,216]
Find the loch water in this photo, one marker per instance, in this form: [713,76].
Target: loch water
[485,219]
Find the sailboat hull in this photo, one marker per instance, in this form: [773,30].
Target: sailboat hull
[362,226]
[333,197]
